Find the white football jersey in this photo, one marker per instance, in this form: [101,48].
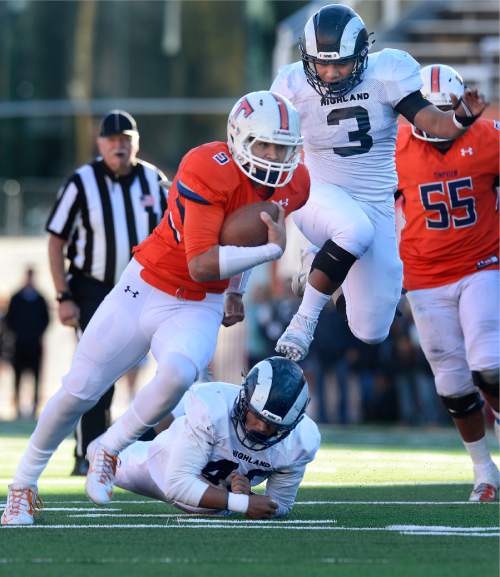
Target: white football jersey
[203,442]
[350,140]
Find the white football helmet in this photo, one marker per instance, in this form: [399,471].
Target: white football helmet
[439,81]
[267,117]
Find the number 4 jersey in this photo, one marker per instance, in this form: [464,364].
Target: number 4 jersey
[202,444]
[449,206]
[350,140]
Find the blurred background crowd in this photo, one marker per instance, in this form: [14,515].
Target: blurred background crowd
[178,66]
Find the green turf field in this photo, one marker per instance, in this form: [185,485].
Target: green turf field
[376,502]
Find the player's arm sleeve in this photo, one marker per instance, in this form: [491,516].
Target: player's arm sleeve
[411,104]
[204,212]
[188,455]
[202,226]
[283,484]
[282,487]
[66,209]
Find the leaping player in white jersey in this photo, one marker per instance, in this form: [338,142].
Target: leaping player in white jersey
[349,102]
[226,440]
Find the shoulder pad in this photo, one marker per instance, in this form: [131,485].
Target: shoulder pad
[212,167]
[306,440]
[210,402]
[289,80]
[393,64]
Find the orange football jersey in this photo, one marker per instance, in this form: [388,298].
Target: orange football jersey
[449,205]
[207,187]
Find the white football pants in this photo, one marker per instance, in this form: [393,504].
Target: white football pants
[459,329]
[133,317]
[372,288]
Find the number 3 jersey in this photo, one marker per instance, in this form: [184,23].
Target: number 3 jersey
[202,443]
[350,140]
[449,204]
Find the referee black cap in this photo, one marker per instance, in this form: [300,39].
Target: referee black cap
[117,122]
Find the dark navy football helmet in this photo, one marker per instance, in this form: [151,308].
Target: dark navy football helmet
[276,392]
[334,35]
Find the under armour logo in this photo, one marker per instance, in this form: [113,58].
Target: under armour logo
[283,202]
[465,151]
[129,290]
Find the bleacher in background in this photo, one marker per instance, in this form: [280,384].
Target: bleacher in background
[457,32]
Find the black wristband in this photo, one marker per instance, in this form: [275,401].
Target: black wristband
[464,121]
[64,296]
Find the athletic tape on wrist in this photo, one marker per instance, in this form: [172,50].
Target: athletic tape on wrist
[237,502]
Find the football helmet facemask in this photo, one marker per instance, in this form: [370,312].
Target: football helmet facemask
[276,392]
[334,35]
[267,117]
[439,81]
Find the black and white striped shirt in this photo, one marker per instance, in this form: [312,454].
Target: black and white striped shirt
[103,217]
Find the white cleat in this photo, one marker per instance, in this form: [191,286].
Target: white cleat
[484,493]
[23,503]
[295,341]
[101,475]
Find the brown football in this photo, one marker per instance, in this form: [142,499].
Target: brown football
[244,227]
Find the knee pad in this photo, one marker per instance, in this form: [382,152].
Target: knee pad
[333,261]
[487,381]
[460,407]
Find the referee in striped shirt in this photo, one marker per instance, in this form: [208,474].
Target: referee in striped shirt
[105,209]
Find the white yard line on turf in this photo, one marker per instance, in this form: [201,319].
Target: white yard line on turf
[449,534]
[389,503]
[273,525]
[80,509]
[305,503]
[199,519]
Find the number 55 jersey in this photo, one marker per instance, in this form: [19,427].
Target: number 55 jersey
[350,140]
[449,206]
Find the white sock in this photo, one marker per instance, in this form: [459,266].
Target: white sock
[57,420]
[313,302]
[479,452]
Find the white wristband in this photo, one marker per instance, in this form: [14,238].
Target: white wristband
[237,502]
[236,259]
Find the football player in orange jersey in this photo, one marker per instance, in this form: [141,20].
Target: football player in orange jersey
[170,299]
[449,248]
